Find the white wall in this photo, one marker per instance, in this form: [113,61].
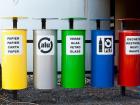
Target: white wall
[54,8]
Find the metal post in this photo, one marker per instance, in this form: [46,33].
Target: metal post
[15,20]
[43,20]
[15,94]
[0,76]
[98,23]
[71,21]
[123,90]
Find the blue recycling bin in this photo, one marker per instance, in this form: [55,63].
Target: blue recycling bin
[102,61]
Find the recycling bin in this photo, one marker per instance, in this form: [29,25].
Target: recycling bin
[14,58]
[73,57]
[102,59]
[129,56]
[45,57]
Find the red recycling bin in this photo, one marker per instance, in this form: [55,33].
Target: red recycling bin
[129,58]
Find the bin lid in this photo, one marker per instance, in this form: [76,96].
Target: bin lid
[45,18]
[129,19]
[74,18]
[14,17]
[43,21]
[102,19]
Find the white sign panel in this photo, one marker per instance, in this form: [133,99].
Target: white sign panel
[132,45]
[45,45]
[104,45]
[13,44]
[74,45]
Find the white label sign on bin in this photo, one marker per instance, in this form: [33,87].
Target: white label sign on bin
[104,45]
[13,44]
[74,45]
[45,45]
[132,45]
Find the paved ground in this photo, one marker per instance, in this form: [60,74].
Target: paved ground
[60,96]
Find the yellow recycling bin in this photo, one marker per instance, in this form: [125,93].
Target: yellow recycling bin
[14,58]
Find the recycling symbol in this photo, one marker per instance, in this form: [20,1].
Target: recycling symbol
[108,42]
[45,45]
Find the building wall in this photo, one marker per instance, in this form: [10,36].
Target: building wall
[54,8]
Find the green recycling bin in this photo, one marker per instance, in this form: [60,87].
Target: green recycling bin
[73,57]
